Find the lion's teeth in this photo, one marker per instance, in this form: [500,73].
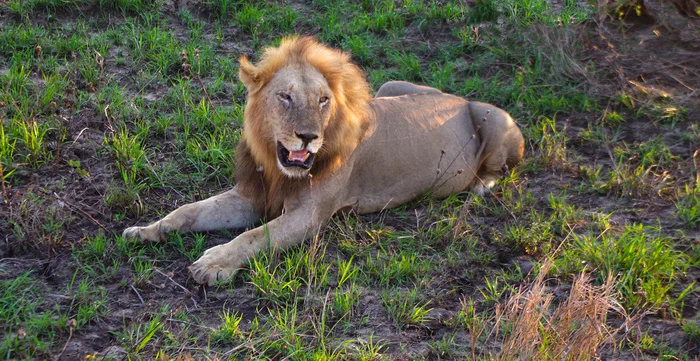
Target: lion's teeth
[298,155]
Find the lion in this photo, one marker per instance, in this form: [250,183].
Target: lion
[315,143]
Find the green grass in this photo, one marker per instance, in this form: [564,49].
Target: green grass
[406,308]
[114,112]
[642,260]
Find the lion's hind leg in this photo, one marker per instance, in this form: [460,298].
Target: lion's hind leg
[226,210]
[502,144]
[490,171]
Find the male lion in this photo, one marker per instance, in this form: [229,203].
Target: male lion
[315,142]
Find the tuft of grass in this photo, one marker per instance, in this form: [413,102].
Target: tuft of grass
[131,162]
[533,328]
[30,324]
[346,300]
[643,261]
[230,328]
[406,308]
[278,282]
[688,207]
[394,268]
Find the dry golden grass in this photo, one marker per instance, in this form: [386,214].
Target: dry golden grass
[534,325]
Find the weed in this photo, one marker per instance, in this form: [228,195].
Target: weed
[139,334]
[642,259]
[230,328]
[386,269]
[551,152]
[346,300]
[406,308]
[7,150]
[346,271]
[575,328]
[30,325]
[276,283]
[688,207]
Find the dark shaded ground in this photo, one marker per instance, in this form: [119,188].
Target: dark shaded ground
[642,56]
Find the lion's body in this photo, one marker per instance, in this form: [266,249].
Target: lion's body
[426,146]
[408,141]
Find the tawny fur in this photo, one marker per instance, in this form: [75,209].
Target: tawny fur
[372,153]
[348,119]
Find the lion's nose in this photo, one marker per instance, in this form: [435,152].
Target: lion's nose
[306,137]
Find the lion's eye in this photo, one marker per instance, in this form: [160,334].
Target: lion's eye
[323,100]
[284,98]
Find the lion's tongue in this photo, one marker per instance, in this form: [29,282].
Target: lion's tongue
[298,155]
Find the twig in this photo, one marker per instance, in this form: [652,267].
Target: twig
[201,83]
[71,324]
[191,324]
[150,81]
[79,134]
[137,294]
[696,156]
[76,209]
[177,284]
[109,123]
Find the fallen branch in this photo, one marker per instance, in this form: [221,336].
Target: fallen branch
[78,210]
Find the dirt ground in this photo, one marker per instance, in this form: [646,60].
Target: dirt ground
[655,55]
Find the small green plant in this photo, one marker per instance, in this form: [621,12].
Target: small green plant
[643,260]
[346,299]
[551,152]
[143,270]
[406,308]
[493,290]
[347,272]
[32,136]
[230,328]
[277,283]
[688,207]
[131,163]
[7,151]
[139,334]
[29,324]
[398,268]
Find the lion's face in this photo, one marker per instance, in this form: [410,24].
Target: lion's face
[298,103]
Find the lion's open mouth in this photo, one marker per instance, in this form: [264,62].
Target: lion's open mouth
[296,158]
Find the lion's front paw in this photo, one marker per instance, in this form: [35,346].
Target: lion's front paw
[216,264]
[143,234]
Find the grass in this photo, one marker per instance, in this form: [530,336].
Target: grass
[114,112]
[642,260]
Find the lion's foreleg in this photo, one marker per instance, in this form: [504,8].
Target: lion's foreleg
[227,210]
[222,262]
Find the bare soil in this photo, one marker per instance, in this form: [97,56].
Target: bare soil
[641,54]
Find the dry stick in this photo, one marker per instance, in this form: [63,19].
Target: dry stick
[137,294]
[456,156]
[70,335]
[79,134]
[150,81]
[76,209]
[109,122]
[696,156]
[177,284]
[201,83]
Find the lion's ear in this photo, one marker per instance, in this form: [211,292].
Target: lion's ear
[248,74]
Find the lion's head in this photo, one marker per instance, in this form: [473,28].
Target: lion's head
[306,111]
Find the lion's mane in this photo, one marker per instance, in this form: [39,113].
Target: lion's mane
[256,169]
